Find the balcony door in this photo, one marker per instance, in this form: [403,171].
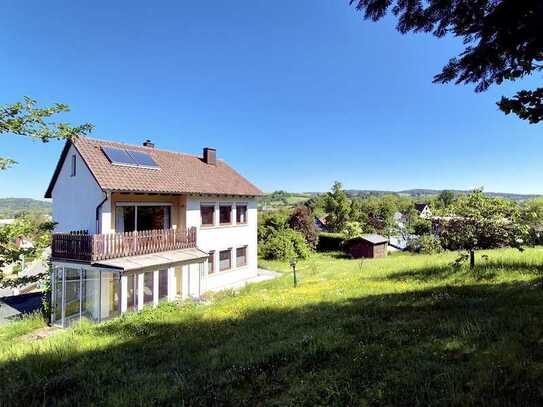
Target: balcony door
[130,217]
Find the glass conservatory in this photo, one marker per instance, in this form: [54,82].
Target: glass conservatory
[80,293]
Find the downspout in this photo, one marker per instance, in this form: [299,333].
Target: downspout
[98,228]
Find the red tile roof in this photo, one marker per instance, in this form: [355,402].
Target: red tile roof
[177,172]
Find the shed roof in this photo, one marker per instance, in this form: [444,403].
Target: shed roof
[374,238]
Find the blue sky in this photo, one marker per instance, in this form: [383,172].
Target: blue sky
[294,95]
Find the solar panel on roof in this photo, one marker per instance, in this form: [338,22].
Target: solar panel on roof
[129,157]
[118,156]
[142,159]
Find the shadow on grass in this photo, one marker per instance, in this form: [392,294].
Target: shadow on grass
[471,345]
[485,270]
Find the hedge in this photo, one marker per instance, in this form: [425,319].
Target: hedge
[330,242]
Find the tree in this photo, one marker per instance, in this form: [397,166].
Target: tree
[445,199]
[37,229]
[476,221]
[337,208]
[352,230]
[503,41]
[25,119]
[301,219]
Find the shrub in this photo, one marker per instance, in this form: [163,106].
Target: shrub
[330,242]
[270,223]
[284,245]
[301,219]
[426,244]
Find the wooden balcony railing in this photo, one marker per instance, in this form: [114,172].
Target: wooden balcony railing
[85,247]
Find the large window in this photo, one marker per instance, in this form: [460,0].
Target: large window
[148,287]
[241,256]
[129,218]
[225,212]
[207,213]
[211,263]
[163,284]
[225,260]
[241,214]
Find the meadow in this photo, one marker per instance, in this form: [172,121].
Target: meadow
[407,330]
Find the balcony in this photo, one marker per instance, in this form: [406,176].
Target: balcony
[90,248]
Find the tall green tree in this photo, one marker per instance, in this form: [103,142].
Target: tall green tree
[503,41]
[26,119]
[476,221]
[445,199]
[337,207]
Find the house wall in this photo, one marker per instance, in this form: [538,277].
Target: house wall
[75,198]
[217,238]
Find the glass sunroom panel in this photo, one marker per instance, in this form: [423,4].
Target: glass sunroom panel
[163,285]
[57,295]
[72,294]
[90,294]
[132,292]
[148,287]
[110,295]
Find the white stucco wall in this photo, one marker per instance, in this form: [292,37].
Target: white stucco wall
[219,238]
[75,198]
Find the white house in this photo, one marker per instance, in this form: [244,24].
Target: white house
[137,225]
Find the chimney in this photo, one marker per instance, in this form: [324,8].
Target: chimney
[210,156]
[148,143]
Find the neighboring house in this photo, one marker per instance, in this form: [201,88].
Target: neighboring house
[367,246]
[320,224]
[424,210]
[22,243]
[137,225]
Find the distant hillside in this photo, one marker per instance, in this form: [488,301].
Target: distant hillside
[11,207]
[282,199]
[421,193]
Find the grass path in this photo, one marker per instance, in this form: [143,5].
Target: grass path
[404,330]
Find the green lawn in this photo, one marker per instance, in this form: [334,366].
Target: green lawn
[406,330]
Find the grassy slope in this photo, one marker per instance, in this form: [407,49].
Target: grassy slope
[406,330]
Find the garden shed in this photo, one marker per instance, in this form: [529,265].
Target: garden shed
[367,246]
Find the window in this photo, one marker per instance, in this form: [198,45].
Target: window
[148,286]
[130,218]
[225,260]
[241,214]
[225,212]
[207,213]
[211,263]
[163,284]
[74,166]
[241,256]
